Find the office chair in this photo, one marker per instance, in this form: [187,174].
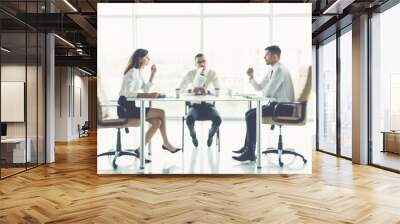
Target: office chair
[118,123]
[83,130]
[187,105]
[298,118]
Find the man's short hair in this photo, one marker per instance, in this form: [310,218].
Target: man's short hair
[199,55]
[274,49]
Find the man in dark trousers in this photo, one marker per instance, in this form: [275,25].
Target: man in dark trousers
[277,86]
[200,79]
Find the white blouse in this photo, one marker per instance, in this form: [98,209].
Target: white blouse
[133,82]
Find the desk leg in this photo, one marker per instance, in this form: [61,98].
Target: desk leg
[142,136]
[258,133]
[149,147]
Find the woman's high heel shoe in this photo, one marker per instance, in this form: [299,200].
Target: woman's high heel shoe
[176,149]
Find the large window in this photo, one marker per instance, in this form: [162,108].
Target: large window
[174,55]
[232,36]
[346,94]
[334,138]
[327,96]
[232,51]
[385,84]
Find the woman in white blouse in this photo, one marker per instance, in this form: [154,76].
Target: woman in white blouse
[132,83]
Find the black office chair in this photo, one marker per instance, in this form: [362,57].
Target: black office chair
[83,130]
[187,105]
[118,123]
[298,118]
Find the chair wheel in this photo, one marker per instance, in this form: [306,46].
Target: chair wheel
[280,164]
[304,161]
[114,163]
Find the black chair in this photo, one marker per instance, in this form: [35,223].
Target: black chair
[298,118]
[187,105]
[118,123]
[83,130]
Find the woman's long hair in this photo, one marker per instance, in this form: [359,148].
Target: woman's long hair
[135,59]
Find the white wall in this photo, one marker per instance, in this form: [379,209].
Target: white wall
[71,87]
[79,117]
[61,103]
[15,73]
[12,73]
[33,126]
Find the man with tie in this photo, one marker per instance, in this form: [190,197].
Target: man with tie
[277,86]
[201,78]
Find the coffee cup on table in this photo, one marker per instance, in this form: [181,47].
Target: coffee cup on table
[229,92]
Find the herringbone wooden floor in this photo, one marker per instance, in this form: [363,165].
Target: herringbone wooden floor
[70,191]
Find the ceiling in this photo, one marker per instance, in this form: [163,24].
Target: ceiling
[76,22]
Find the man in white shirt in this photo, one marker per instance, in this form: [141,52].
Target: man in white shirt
[201,78]
[277,86]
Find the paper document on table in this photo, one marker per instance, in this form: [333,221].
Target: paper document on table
[249,96]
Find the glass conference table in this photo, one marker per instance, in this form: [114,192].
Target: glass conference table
[191,97]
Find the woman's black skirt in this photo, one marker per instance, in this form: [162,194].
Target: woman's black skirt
[128,109]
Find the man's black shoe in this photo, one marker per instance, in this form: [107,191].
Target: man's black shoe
[210,140]
[247,156]
[195,142]
[211,133]
[242,150]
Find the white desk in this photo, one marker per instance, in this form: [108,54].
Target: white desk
[186,97]
[19,155]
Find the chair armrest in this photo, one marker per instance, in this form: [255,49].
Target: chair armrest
[109,105]
[294,105]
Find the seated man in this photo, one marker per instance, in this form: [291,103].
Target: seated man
[278,87]
[200,78]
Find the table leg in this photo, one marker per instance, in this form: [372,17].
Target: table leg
[384,142]
[142,136]
[258,133]
[149,146]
